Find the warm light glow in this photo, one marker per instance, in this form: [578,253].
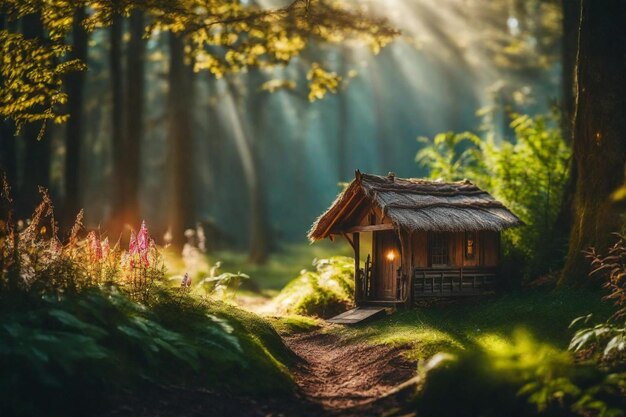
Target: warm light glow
[391,255]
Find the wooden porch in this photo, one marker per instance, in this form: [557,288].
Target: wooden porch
[447,282]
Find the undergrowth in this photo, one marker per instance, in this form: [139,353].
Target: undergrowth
[323,293]
[82,321]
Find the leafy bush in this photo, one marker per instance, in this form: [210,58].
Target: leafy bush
[87,346]
[323,293]
[608,339]
[528,174]
[520,377]
[80,322]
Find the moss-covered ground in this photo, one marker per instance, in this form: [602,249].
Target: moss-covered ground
[459,325]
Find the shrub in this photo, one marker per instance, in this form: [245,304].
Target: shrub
[65,355]
[516,378]
[323,293]
[528,174]
[81,321]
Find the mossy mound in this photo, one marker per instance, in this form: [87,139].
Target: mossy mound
[96,344]
[323,293]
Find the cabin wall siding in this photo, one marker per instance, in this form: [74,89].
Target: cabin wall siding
[476,260]
[486,250]
[491,248]
[456,249]
[419,249]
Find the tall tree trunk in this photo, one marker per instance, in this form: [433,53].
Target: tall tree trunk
[179,136]
[75,85]
[120,167]
[570,25]
[8,155]
[134,117]
[343,120]
[383,148]
[599,130]
[36,166]
[243,129]
[261,239]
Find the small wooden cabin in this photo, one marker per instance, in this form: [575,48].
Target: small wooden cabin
[415,238]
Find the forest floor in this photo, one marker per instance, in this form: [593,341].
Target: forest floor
[333,377]
[349,378]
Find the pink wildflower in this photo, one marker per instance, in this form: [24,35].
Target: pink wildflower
[140,245]
[143,238]
[105,247]
[132,245]
[186,282]
[96,249]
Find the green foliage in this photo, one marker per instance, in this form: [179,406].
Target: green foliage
[222,37]
[323,293]
[517,378]
[88,346]
[282,265]
[32,78]
[321,82]
[449,155]
[82,321]
[527,174]
[608,338]
[224,285]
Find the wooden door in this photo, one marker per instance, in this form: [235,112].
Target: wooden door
[387,255]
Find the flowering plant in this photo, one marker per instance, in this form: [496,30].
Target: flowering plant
[33,258]
[142,264]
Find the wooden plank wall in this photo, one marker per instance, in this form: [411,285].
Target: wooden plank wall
[419,249]
[491,248]
[487,247]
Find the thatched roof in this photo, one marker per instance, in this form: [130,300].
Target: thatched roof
[416,204]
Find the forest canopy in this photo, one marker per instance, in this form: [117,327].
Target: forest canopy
[221,36]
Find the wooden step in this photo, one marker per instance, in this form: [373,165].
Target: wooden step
[358,315]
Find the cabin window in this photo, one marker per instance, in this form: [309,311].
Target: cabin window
[438,249]
[470,245]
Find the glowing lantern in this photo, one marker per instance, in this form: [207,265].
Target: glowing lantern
[391,255]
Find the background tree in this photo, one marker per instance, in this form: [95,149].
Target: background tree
[75,88]
[37,152]
[599,131]
[180,101]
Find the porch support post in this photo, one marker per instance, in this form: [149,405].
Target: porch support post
[357,281]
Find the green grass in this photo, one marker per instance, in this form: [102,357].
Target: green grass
[324,292]
[488,322]
[283,265]
[293,324]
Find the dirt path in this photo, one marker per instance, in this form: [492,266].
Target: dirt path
[341,376]
[335,379]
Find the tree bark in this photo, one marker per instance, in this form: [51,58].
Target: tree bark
[120,167]
[563,222]
[134,118]
[8,156]
[343,120]
[260,229]
[75,85]
[36,166]
[599,130]
[179,136]
[243,130]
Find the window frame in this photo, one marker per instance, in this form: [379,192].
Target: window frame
[442,239]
